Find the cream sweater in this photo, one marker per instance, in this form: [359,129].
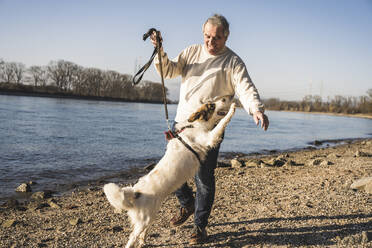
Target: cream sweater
[207,77]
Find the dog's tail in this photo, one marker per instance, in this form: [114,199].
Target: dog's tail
[120,198]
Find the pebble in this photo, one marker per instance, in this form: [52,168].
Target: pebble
[117,229]
[53,204]
[253,163]
[33,206]
[223,165]
[278,162]
[75,221]
[24,187]
[368,188]
[235,163]
[361,154]
[361,183]
[8,223]
[325,163]
[40,195]
[290,163]
[366,236]
[333,156]
[316,161]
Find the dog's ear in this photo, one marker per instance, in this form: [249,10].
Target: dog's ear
[200,114]
[195,116]
[203,113]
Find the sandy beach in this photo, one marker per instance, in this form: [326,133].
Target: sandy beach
[292,199]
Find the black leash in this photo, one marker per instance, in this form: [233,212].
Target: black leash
[137,78]
[189,147]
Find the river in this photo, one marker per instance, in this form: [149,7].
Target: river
[56,142]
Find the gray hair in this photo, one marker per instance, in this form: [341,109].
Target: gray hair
[219,20]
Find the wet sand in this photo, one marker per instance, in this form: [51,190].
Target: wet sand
[292,199]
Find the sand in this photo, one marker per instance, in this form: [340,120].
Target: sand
[291,199]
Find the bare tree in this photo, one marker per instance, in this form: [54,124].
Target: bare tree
[94,78]
[369,95]
[128,91]
[44,76]
[151,91]
[78,80]
[39,75]
[2,66]
[108,81]
[55,73]
[368,102]
[19,72]
[9,72]
[63,73]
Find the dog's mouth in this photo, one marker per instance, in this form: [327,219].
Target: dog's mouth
[221,113]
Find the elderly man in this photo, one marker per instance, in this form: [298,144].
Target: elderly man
[209,72]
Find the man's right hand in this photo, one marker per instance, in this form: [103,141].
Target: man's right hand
[259,116]
[153,38]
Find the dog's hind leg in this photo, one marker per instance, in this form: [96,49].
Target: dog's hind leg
[138,230]
[215,135]
[142,237]
[141,221]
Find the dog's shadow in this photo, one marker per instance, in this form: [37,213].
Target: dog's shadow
[307,235]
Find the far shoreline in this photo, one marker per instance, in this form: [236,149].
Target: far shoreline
[111,99]
[365,116]
[78,97]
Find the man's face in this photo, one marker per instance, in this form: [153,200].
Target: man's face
[214,38]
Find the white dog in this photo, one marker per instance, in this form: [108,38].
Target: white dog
[143,200]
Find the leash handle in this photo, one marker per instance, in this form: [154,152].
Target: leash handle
[138,76]
[148,33]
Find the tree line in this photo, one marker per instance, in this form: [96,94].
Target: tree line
[314,103]
[65,77]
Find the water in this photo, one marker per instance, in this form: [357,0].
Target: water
[56,142]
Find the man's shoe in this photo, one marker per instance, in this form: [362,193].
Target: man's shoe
[182,216]
[198,236]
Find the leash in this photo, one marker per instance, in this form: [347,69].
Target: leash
[137,79]
[190,148]
[171,135]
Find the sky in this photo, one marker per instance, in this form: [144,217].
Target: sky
[291,48]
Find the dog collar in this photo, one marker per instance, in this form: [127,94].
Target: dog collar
[171,135]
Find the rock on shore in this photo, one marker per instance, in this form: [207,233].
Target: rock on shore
[294,199]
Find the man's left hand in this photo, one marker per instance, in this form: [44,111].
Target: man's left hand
[259,116]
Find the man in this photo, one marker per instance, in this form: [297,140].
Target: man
[209,72]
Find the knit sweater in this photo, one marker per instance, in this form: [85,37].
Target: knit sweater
[207,77]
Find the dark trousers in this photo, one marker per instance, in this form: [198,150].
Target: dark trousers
[205,190]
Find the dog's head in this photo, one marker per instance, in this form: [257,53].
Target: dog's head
[212,111]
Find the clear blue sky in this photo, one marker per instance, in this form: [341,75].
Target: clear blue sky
[291,47]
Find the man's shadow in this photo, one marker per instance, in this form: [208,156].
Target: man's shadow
[290,236]
[311,235]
